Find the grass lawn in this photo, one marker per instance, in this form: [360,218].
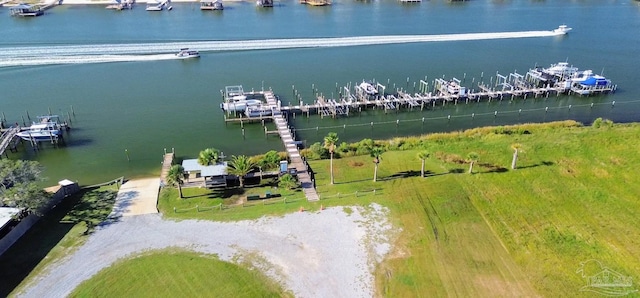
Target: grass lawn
[496,232]
[163,274]
[502,232]
[63,229]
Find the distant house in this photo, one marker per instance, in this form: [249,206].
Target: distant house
[210,176]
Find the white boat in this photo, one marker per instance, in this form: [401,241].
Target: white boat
[368,88]
[46,130]
[264,3]
[563,29]
[561,69]
[155,5]
[239,103]
[185,53]
[257,111]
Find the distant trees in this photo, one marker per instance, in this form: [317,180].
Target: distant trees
[175,177]
[330,143]
[423,155]
[240,166]
[376,153]
[19,187]
[208,156]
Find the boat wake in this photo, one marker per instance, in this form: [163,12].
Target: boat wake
[102,53]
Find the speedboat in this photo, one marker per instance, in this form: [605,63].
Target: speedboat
[563,29]
[185,53]
[239,103]
[45,130]
[368,88]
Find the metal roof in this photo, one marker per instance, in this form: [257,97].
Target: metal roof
[192,165]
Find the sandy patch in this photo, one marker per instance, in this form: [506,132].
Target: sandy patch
[327,253]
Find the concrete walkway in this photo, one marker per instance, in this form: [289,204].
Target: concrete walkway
[137,197]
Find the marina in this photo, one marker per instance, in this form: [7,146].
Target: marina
[164,103]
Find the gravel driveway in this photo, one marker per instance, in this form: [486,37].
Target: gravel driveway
[327,253]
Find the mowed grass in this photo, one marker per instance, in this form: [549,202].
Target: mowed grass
[178,274]
[502,232]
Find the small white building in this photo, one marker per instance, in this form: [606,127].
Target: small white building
[211,175]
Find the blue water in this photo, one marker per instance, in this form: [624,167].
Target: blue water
[147,106]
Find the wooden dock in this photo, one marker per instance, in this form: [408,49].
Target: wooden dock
[7,139]
[292,148]
[167,162]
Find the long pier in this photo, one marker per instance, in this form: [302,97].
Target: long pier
[291,146]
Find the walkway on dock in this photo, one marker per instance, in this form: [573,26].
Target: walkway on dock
[167,162]
[7,138]
[292,148]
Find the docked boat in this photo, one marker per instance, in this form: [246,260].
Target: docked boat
[562,29]
[185,53]
[257,111]
[264,3]
[239,103]
[211,5]
[561,70]
[26,10]
[156,5]
[588,78]
[368,88]
[47,129]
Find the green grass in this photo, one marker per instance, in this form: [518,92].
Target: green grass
[178,274]
[497,232]
[63,229]
[505,232]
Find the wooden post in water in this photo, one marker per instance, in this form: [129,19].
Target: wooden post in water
[126,152]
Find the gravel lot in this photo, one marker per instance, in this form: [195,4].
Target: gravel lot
[327,253]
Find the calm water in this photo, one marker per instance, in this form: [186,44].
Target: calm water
[144,107]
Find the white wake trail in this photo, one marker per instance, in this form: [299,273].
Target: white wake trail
[101,53]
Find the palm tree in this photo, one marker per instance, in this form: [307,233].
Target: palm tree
[208,156]
[516,148]
[472,157]
[330,143]
[240,166]
[423,155]
[175,176]
[376,153]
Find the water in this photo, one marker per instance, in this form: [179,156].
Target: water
[153,102]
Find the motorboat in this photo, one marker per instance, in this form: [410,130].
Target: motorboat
[562,29]
[155,5]
[454,88]
[561,70]
[588,78]
[239,103]
[368,88]
[257,111]
[185,53]
[264,3]
[211,5]
[47,129]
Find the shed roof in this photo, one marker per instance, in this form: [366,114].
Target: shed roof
[6,213]
[192,165]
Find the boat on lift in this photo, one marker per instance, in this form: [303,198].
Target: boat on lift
[47,129]
[368,88]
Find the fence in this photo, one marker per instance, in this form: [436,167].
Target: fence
[272,201]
